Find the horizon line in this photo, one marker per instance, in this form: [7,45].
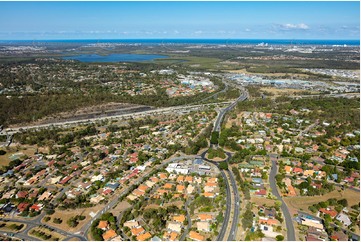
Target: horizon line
[184,38]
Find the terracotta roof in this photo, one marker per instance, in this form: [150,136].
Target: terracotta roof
[330,212]
[167,186]
[189,179]
[179,218]
[137,231]
[23,206]
[162,175]
[211,184]
[161,191]
[180,188]
[208,194]
[36,207]
[143,237]
[22,194]
[288,169]
[138,192]
[268,221]
[109,234]
[195,236]
[291,191]
[180,179]
[143,187]
[154,179]
[212,179]
[261,192]
[103,224]
[172,236]
[204,217]
[298,170]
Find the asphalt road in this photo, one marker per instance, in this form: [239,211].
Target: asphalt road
[288,219]
[217,127]
[175,109]
[35,223]
[189,225]
[232,235]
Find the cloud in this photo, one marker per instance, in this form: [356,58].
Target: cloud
[247,30]
[300,26]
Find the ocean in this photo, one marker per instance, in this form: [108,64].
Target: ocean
[187,41]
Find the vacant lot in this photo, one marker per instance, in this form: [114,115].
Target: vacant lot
[280,74]
[261,201]
[296,203]
[283,91]
[120,208]
[67,214]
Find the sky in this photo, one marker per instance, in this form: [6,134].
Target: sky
[172,20]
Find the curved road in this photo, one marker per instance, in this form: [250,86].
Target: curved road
[273,184]
[217,127]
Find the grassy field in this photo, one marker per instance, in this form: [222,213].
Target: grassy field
[27,150]
[67,214]
[7,226]
[47,232]
[261,201]
[296,203]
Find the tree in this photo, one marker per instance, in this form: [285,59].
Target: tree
[223,165]
[280,237]
[343,202]
[214,137]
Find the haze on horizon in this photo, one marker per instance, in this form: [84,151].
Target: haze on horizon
[195,20]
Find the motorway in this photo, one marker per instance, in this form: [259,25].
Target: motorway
[175,109]
[83,231]
[288,219]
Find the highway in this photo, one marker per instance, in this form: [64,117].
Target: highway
[288,219]
[175,109]
[83,231]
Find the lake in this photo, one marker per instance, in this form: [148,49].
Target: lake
[114,58]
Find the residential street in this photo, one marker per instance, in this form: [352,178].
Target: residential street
[288,219]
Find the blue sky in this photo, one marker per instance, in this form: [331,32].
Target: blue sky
[126,20]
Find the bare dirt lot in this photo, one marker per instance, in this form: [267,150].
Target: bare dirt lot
[244,71]
[260,201]
[296,203]
[283,91]
[120,208]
